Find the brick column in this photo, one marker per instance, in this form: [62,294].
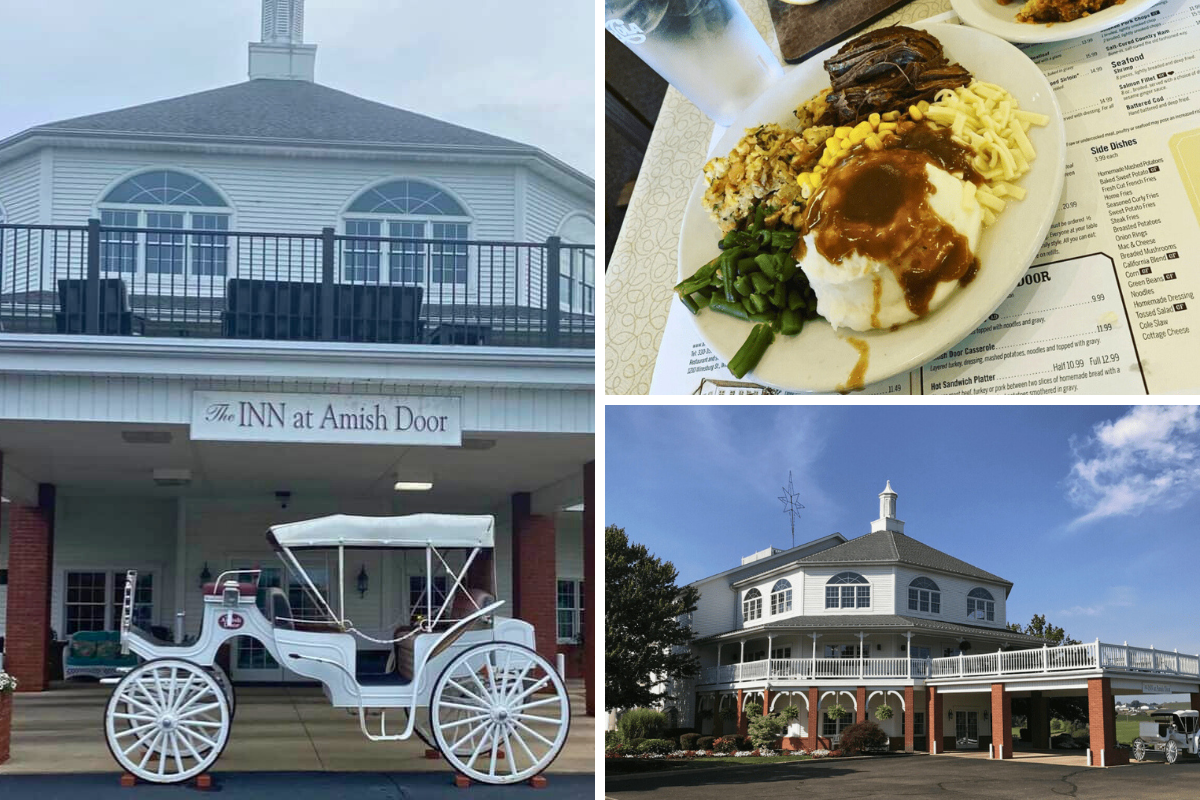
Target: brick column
[535,577]
[909,707]
[1001,722]
[1194,705]
[742,724]
[860,702]
[814,717]
[766,701]
[1102,725]
[933,721]
[1039,721]
[591,629]
[30,556]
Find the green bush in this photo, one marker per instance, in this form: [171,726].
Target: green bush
[642,723]
[688,741]
[790,714]
[726,744]
[754,709]
[837,711]
[611,738]
[764,731]
[634,744]
[705,743]
[656,747]
[883,712]
[861,736]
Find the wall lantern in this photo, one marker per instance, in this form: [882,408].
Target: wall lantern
[949,715]
[878,646]
[205,575]
[363,581]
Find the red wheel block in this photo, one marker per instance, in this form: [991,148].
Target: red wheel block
[432,754]
[538,782]
[462,781]
[128,781]
[204,782]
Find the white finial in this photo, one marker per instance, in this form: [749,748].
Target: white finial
[887,512]
[282,53]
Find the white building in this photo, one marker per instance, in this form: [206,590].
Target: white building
[884,620]
[182,282]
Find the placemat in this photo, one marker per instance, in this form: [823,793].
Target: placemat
[805,30]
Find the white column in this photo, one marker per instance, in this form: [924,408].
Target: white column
[181,576]
[908,651]
[718,654]
[742,657]
[861,636]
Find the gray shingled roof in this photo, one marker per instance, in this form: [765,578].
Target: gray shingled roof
[889,547]
[873,621]
[288,110]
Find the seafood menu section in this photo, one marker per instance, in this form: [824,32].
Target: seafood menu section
[1109,305]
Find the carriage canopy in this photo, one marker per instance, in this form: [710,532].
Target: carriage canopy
[413,530]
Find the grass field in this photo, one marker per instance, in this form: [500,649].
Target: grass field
[1127,729]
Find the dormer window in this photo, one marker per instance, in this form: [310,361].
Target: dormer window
[847,590]
[924,596]
[981,605]
[752,605]
[781,596]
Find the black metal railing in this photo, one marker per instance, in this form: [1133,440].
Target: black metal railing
[116,281]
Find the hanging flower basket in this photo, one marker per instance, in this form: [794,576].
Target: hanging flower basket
[7,684]
[837,711]
[883,712]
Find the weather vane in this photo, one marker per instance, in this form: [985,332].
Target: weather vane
[791,505]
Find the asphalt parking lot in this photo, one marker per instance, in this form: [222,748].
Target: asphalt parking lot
[915,776]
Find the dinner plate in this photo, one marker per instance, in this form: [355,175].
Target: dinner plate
[821,360]
[1001,20]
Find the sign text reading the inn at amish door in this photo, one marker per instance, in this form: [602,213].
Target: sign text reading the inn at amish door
[341,419]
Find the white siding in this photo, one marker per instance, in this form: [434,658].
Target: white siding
[3,565]
[547,205]
[715,610]
[569,545]
[954,597]
[19,189]
[882,589]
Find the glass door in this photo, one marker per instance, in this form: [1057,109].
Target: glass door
[251,661]
[966,729]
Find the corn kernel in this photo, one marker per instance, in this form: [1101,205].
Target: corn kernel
[923,105]
[915,113]
[891,116]
[874,120]
[863,127]
[857,137]
[884,127]
[841,132]
[874,143]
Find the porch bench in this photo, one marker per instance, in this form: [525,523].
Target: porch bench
[95,654]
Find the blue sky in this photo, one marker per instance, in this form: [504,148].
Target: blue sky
[1091,511]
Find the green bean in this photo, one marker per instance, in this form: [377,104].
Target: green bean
[792,322]
[756,303]
[762,283]
[768,264]
[733,309]
[690,303]
[700,278]
[744,286]
[751,351]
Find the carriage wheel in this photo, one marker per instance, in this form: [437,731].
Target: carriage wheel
[421,729]
[167,721]
[222,677]
[499,695]
[1172,751]
[1139,749]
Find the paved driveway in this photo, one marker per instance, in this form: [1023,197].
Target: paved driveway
[915,776]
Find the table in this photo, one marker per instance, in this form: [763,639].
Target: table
[643,267]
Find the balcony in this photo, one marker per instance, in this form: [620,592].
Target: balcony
[324,287]
[1093,657]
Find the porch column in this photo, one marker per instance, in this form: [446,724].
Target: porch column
[860,700]
[1001,722]
[909,707]
[30,558]
[814,717]
[535,594]
[1102,726]
[933,723]
[1194,705]
[590,617]
[1039,721]
[741,714]
[766,700]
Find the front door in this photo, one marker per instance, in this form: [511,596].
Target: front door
[966,729]
[250,660]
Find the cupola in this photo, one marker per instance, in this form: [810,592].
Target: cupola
[282,53]
[887,512]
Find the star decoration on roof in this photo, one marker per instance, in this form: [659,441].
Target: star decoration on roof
[791,504]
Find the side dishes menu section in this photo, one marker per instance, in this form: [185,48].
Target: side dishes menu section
[1108,306]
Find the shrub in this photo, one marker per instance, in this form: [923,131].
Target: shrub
[704,743]
[7,683]
[656,746]
[862,736]
[743,742]
[837,711]
[790,714]
[718,723]
[634,744]
[642,723]
[726,744]
[883,712]
[765,730]
[611,738]
[616,750]
[688,741]
[754,709]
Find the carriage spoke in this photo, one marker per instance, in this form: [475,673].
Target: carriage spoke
[203,723]
[136,730]
[482,689]
[478,748]
[199,710]
[458,723]
[187,731]
[483,703]
[541,682]
[535,717]
[191,701]
[175,752]
[141,740]
[188,744]
[461,706]
[495,747]
[534,733]
[520,680]
[183,693]
[154,706]
[149,751]
[521,741]
[470,734]
[120,715]
[536,703]
[508,750]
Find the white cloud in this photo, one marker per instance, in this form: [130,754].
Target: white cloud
[1116,597]
[1147,459]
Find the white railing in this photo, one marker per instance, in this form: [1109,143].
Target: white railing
[1147,659]
[807,669]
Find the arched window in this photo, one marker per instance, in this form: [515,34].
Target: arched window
[981,605]
[170,200]
[924,595]
[781,596]
[752,605]
[406,209]
[577,267]
[847,590]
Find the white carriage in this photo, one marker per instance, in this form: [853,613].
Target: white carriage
[1170,732]
[469,680]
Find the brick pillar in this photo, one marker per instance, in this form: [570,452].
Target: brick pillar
[591,628]
[1001,722]
[766,701]
[30,555]
[909,707]
[1039,721]
[933,721]
[742,724]
[1195,704]
[860,703]
[1102,725]
[814,717]
[535,586]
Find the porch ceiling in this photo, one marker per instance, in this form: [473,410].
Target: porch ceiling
[96,458]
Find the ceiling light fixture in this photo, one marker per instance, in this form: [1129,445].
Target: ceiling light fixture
[413,486]
[574,507]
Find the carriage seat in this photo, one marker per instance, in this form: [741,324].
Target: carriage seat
[244,589]
[460,608]
[279,609]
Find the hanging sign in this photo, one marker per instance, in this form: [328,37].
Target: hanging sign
[343,418]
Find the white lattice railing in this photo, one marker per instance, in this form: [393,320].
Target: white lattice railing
[807,669]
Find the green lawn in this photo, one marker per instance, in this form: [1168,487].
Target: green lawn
[626,766]
[1127,729]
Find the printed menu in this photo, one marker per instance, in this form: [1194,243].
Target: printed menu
[1108,305]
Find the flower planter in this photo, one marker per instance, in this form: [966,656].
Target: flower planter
[5,724]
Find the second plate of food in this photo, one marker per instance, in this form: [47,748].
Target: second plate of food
[1006,21]
[820,359]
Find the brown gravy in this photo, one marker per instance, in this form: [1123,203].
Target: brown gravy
[859,372]
[875,204]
